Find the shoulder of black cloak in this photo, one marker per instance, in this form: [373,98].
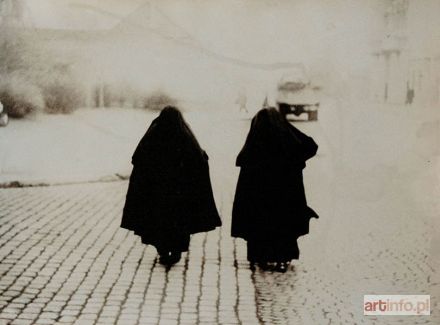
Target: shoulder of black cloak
[140,148]
[307,144]
[242,156]
[244,152]
[237,161]
[192,145]
[310,148]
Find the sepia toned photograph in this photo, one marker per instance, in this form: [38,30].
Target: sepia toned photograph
[219,162]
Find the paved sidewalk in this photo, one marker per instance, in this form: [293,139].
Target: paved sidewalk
[64,260]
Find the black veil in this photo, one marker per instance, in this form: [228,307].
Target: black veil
[273,139]
[169,138]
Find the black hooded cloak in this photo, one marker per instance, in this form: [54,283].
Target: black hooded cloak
[169,195]
[270,209]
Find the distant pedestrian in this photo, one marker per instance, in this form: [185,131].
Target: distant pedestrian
[409,94]
[169,195]
[241,101]
[270,209]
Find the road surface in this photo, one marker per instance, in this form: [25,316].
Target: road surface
[64,259]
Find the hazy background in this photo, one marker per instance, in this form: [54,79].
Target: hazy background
[196,49]
[205,50]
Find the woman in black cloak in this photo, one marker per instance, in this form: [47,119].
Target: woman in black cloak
[270,209]
[169,195]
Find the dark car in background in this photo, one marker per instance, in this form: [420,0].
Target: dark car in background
[296,95]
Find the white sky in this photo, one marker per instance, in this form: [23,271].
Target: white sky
[264,31]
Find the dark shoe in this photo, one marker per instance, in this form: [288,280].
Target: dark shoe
[282,267]
[175,257]
[265,266]
[164,258]
[170,258]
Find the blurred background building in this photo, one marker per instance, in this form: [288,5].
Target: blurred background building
[407,55]
[387,50]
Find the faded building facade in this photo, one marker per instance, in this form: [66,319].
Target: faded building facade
[406,69]
[141,54]
[11,12]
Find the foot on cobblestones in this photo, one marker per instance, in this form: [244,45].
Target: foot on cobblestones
[170,258]
[282,267]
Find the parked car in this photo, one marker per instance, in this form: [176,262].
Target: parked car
[297,96]
[4,119]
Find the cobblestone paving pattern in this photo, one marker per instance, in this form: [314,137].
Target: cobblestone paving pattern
[64,260]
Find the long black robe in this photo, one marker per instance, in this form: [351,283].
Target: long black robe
[270,209]
[169,195]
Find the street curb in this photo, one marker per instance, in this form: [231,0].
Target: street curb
[105,179]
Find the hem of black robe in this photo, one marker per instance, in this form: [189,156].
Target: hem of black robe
[158,243]
[167,248]
[272,251]
[305,230]
[253,259]
[192,231]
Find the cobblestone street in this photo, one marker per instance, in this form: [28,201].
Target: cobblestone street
[65,260]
